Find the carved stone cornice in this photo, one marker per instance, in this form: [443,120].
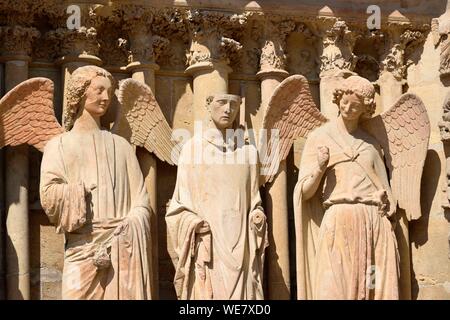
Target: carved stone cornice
[336,47]
[17,41]
[211,37]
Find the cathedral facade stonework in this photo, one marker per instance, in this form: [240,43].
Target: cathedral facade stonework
[189,52]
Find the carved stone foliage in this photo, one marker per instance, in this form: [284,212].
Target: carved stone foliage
[14,12]
[337,46]
[47,50]
[444,127]
[398,47]
[273,54]
[17,40]
[75,42]
[213,36]
[251,50]
[112,46]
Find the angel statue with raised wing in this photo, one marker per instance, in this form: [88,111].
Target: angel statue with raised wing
[215,219]
[355,171]
[91,185]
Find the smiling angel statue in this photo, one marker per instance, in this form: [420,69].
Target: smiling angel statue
[91,185]
[355,172]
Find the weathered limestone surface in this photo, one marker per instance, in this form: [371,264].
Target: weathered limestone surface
[244,48]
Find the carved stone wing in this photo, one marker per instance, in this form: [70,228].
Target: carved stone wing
[403,132]
[143,122]
[27,115]
[293,114]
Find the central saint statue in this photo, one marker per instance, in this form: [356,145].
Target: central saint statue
[215,219]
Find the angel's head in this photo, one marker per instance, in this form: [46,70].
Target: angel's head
[355,98]
[90,88]
[223,109]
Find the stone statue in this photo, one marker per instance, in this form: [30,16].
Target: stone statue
[441,35]
[344,200]
[444,127]
[215,219]
[91,186]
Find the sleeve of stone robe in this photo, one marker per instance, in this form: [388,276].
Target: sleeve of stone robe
[63,202]
[257,234]
[135,239]
[381,172]
[182,222]
[308,216]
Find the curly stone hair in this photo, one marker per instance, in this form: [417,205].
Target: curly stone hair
[76,89]
[363,89]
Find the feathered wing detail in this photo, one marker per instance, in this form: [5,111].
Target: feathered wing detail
[293,114]
[27,115]
[143,122]
[403,132]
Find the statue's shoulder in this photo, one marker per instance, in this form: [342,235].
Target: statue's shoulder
[54,142]
[118,139]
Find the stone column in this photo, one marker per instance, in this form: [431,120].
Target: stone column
[144,49]
[391,81]
[16,52]
[272,65]
[337,60]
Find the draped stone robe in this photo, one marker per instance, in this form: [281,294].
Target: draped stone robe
[346,246]
[226,263]
[98,264]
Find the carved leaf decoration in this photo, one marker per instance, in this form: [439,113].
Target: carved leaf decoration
[403,132]
[27,115]
[293,113]
[143,122]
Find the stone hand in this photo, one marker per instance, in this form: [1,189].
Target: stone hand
[258,218]
[121,228]
[323,157]
[203,227]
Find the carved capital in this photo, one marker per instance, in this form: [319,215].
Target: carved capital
[336,46]
[145,47]
[76,42]
[273,54]
[212,36]
[17,40]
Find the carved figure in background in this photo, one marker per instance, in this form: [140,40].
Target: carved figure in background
[215,219]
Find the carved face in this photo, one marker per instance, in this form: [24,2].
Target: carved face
[224,109]
[351,107]
[98,96]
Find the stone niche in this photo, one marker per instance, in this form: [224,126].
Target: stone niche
[244,41]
